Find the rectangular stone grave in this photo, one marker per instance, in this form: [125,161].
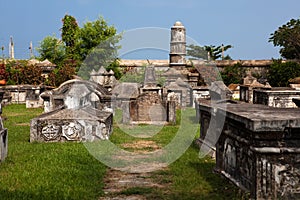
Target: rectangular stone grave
[276,97]
[258,148]
[83,124]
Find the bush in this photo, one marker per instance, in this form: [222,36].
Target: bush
[19,72]
[280,73]
[233,74]
[60,75]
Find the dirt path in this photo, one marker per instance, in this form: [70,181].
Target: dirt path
[125,185]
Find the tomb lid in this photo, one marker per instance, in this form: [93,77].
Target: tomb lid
[85,113]
[255,117]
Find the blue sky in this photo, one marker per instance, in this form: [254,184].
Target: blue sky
[245,24]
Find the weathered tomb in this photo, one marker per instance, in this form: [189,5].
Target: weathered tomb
[76,111]
[182,90]
[104,78]
[235,89]
[144,103]
[82,124]
[24,94]
[250,83]
[77,93]
[258,148]
[276,97]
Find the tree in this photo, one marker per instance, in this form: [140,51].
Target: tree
[280,73]
[97,46]
[208,52]
[288,38]
[86,48]
[233,74]
[52,49]
[196,52]
[69,35]
[216,53]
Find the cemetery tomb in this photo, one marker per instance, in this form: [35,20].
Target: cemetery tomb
[71,115]
[276,97]
[258,148]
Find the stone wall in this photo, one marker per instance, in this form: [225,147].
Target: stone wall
[258,148]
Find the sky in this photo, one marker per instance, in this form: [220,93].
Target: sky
[245,24]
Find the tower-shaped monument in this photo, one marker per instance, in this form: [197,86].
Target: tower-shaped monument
[178,46]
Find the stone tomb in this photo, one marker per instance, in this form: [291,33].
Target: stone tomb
[276,97]
[83,124]
[3,141]
[258,148]
[71,115]
[249,85]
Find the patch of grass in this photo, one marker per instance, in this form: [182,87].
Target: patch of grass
[193,178]
[189,177]
[45,170]
[68,171]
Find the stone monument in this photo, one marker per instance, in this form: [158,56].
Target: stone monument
[77,110]
[178,46]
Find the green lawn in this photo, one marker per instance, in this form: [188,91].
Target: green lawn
[68,171]
[45,171]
